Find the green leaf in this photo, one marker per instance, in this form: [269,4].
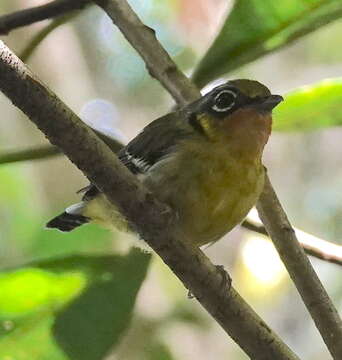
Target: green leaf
[257,27]
[310,107]
[94,322]
[72,308]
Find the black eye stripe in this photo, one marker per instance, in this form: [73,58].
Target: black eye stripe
[224,100]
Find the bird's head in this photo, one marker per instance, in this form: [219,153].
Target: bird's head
[236,114]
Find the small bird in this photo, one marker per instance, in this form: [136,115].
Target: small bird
[203,160]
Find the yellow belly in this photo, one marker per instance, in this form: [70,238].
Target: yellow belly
[207,217]
[210,197]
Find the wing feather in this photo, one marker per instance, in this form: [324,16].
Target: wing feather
[156,141]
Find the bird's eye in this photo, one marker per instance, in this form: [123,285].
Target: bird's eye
[224,101]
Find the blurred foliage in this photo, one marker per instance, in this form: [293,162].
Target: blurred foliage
[17,213]
[22,222]
[43,33]
[310,107]
[73,308]
[119,54]
[255,28]
[78,307]
[160,352]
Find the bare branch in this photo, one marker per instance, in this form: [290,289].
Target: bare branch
[302,273]
[47,151]
[29,16]
[312,245]
[328,322]
[152,219]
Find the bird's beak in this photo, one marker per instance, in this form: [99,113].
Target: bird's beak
[268,103]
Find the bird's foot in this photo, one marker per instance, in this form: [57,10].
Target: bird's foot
[226,283]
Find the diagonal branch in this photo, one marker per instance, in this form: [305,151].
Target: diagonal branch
[301,271]
[153,220]
[29,16]
[325,316]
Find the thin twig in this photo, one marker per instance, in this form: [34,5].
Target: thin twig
[327,321]
[39,152]
[302,273]
[151,219]
[29,16]
[312,245]
[47,151]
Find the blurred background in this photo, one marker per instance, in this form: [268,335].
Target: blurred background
[89,65]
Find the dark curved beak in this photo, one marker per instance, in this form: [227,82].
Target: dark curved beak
[268,103]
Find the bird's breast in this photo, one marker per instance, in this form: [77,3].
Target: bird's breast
[211,193]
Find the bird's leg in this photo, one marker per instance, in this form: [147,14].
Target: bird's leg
[190,296]
[226,280]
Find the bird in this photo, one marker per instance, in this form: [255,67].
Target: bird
[203,160]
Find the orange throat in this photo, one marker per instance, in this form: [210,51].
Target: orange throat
[247,132]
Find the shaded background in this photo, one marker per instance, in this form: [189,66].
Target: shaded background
[92,68]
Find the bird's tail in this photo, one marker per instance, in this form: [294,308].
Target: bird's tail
[69,220]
